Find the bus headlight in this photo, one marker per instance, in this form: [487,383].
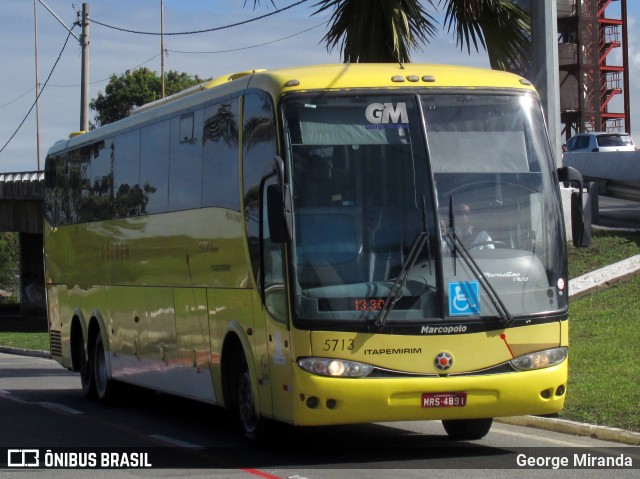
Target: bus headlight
[335,367]
[540,359]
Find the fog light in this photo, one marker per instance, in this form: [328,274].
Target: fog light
[312,402]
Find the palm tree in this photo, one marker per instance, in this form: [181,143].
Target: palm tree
[387,30]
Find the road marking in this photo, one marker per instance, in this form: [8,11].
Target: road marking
[48,405]
[59,407]
[544,439]
[8,395]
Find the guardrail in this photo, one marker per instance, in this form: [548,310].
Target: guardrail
[617,173]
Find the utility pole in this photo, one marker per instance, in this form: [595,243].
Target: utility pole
[84,76]
[35,20]
[162,44]
[546,77]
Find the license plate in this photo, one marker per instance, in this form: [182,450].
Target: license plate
[444,400]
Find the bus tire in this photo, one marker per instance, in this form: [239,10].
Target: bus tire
[105,386]
[251,424]
[467,429]
[85,366]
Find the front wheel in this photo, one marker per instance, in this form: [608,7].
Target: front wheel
[467,429]
[251,423]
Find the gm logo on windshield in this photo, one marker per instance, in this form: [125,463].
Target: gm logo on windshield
[385,113]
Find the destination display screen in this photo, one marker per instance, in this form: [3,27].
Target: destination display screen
[366,303]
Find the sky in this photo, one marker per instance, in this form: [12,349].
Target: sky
[288,38]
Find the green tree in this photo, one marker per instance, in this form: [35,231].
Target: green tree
[388,30]
[135,88]
[9,263]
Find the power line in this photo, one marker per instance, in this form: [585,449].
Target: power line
[250,46]
[194,52]
[16,99]
[40,93]
[108,78]
[214,29]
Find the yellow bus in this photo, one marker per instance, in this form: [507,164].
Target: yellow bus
[319,245]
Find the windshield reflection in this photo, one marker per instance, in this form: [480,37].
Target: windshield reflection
[358,192]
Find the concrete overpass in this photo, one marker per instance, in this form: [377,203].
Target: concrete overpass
[21,203]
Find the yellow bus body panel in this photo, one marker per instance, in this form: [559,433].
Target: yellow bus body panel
[416,354]
[343,400]
[166,289]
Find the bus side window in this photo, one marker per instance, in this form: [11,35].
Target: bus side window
[126,174]
[56,178]
[258,150]
[154,167]
[220,181]
[185,163]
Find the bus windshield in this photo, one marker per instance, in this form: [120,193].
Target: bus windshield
[374,175]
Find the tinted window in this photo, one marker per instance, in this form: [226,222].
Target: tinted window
[79,181]
[99,201]
[185,164]
[154,168]
[582,142]
[613,140]
[126,175]
[220,182]
[259,148]
[56,202]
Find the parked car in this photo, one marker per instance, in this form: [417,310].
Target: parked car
[599,141]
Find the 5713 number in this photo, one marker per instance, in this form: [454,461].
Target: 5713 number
[338,345]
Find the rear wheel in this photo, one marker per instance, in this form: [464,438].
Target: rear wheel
[85,366]
[467,429]
[105,386]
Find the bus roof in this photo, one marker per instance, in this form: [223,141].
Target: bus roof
[332,77]
[376,75]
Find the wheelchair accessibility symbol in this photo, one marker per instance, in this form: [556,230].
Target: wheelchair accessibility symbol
[464,298]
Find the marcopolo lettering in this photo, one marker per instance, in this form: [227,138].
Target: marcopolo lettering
[443,329]
[382,113]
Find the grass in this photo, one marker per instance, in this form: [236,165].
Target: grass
[604,335]
[604,352]
[25,340]
[604,357]
[607,247]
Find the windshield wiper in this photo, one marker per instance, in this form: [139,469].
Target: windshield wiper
[397,288]
[471,263]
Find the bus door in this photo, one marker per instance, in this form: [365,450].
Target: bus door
[276,314]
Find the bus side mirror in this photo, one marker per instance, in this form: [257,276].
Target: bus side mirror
[567,174]
[580,225]
[279,213]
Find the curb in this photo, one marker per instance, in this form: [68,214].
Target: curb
[604,277]
[25,352]
[576,428]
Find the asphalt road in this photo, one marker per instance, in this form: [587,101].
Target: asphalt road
[616,213]
[42,408]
